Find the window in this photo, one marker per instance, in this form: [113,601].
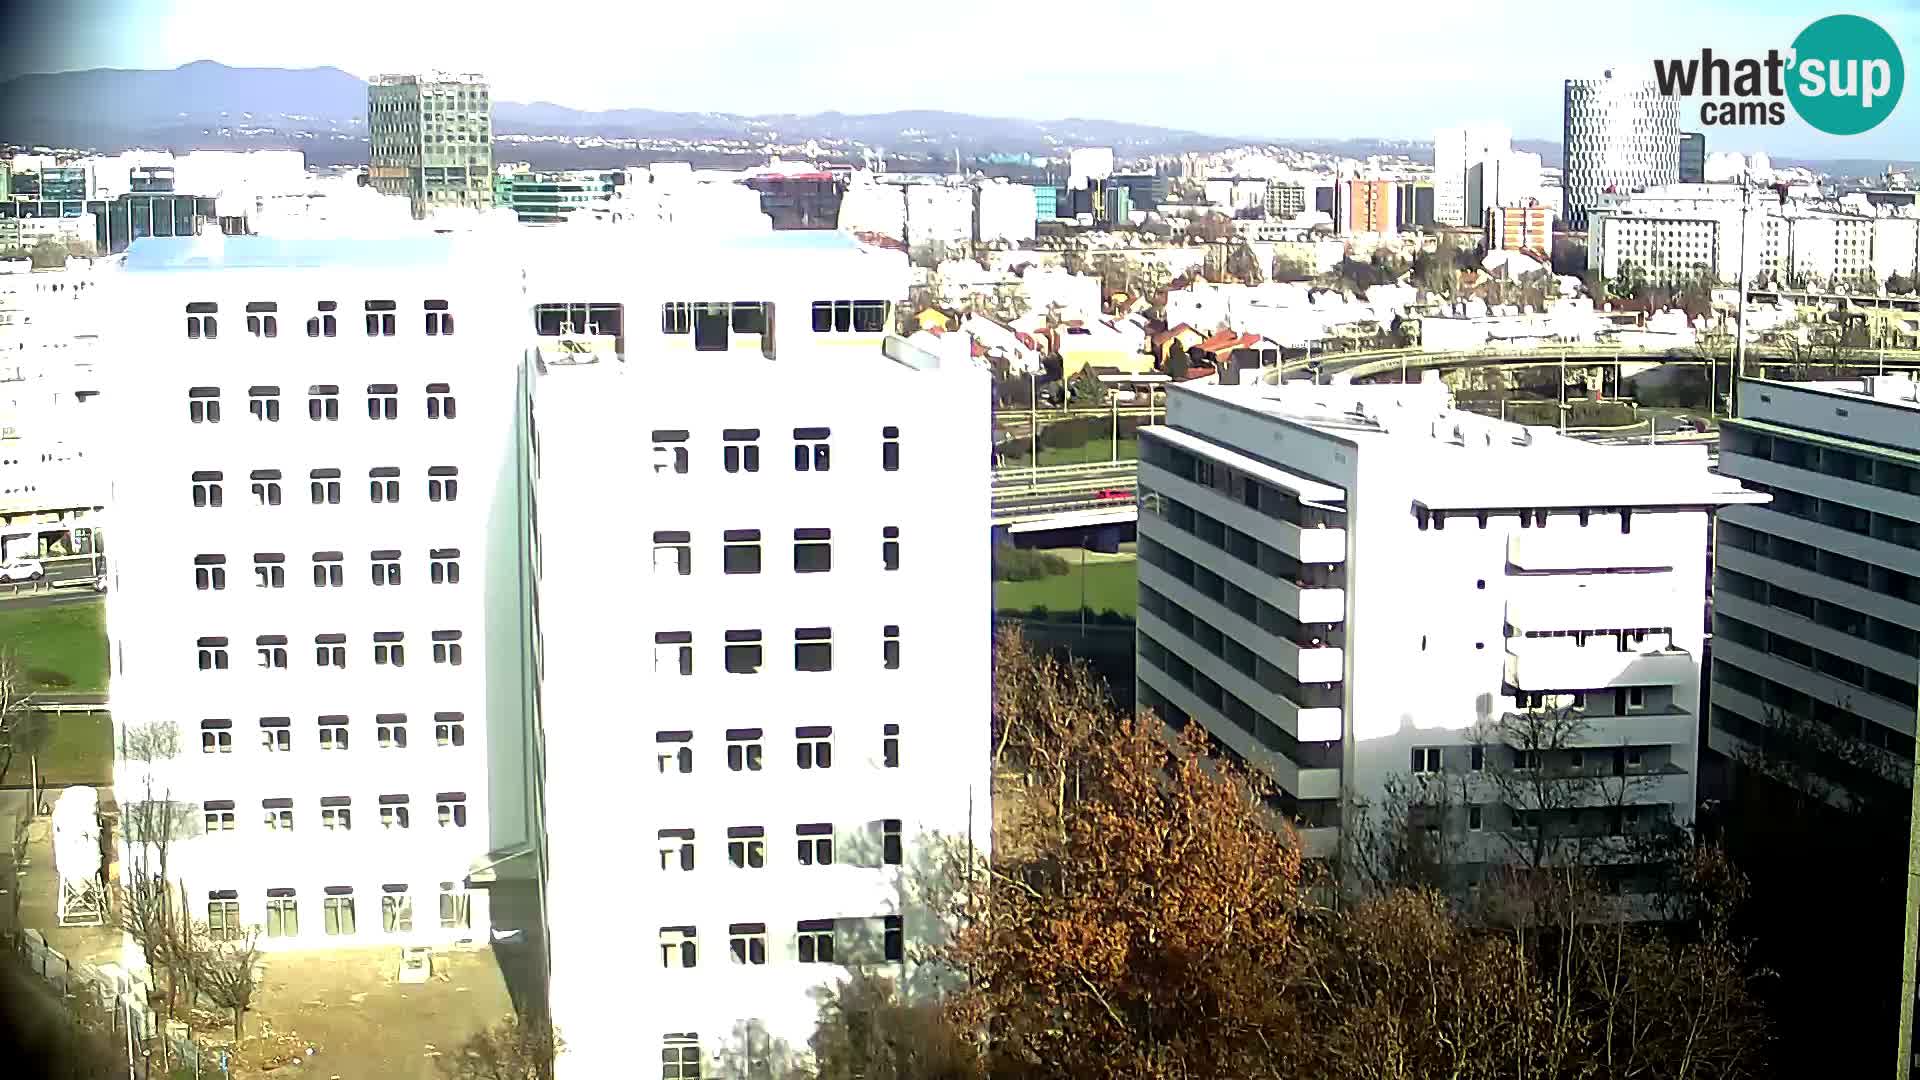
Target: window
[324,487]
[890,449]
[327,570]
[265,487]
[324,324]
[1473,819]
[439,319]
[813,747]
[451,806]
[893,938]
[890,647]
[203,405]
[207,489]
[443,483]
[676,318]
[279,814]
[440,402]
[390,730]
[263,403]
[813,649]
[676,849]
[1426,759]
[813,941]
[748,943]
[849,316]
[219,815]
[670,451]
[891,844]
[443,566]
[711,323]
[213,653]
[209,572]
[449,729]
[336,813]
[201,321]
[383,402]
[386,567]
[1526,759]
[394,812]
[890,547]
[673,553]
[747,847]
[743,652]
[269,570]
[812,551]
[750,317]
[389,648]
[673,751]
[1636,697]
[383,484]
[446,647]
[673,652]
[1479,755]
[680,1057]
[679,946]
[223,915]
[810,450]
[272,650]
[396,909]
[276,734]
[741,449]
[815,844]
[339,910]
[744,749]
[741,554]
[283,914]
[323,403]
[333,732]
[380,318]
[216,736]
[890,746]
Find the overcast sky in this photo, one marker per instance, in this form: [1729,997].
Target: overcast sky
[1390,68]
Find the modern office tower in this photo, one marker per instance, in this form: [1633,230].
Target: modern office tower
[1455,152]
[799,564]
[314,582]
[431,139]
[1693,157]
[1621,133]
[1345,584]
[1816,599]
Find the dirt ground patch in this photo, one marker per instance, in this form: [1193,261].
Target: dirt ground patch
[362,1023]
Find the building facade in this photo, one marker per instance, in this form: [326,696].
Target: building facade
[1693,157]
[1349,584]
[1368,206]
[431,140]
[1521,228]
[1003,213]
[1816,600]
[1455,152]
[1285,200]
[1620,133]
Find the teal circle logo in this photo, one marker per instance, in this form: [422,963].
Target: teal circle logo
[1846,75]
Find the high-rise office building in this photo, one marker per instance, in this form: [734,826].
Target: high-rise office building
[1693,157]
[431,140]
[1620,133]
[1347,584]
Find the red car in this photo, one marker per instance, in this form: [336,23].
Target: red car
[1115,493]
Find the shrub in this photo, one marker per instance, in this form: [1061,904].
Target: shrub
[1013,564]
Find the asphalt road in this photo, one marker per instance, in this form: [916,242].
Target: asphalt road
[14,601]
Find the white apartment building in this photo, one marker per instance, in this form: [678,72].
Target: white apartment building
[1817,594]
[1342,583]
[939,214]
[799,564]
[1501,179]
[1456,152]
[315,476]
[1004,213]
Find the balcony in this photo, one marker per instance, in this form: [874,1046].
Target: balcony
[1320,540]
[1587,549]
[1643,727]
[1587,603]
[1555,664]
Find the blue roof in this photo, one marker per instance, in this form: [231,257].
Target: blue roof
[259,252]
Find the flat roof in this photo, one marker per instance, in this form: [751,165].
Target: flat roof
[1853,390]
[1309,491]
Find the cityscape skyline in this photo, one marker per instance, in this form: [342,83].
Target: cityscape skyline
[1520,88]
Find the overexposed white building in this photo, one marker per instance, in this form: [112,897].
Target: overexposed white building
[1004,213]
[1456,152]
[1343,583]
[939,214]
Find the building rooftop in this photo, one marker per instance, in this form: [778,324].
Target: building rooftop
[1511,465]
[1897,390]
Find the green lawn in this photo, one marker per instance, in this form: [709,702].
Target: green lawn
[1111,585]
[78,750]
[1100,449]
[61,647]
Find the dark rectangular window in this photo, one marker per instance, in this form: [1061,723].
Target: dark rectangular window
[812,551]
[744,654]
[813,649]
[742,552]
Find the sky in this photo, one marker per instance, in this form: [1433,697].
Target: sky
[1388,69]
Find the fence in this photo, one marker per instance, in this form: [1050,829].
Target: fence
[123,994]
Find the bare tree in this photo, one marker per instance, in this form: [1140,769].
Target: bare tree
[1411,839]
[229,973]
[516,1048]
[752,1053]
[23,729]
[150,910]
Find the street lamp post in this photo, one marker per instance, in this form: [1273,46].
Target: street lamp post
[1113,396]
[1740,314]
[1033,428]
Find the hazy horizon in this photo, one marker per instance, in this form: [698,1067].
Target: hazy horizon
[757,57]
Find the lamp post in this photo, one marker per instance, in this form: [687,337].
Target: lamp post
[1033,428]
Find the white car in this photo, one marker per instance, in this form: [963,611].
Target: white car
[22,570]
